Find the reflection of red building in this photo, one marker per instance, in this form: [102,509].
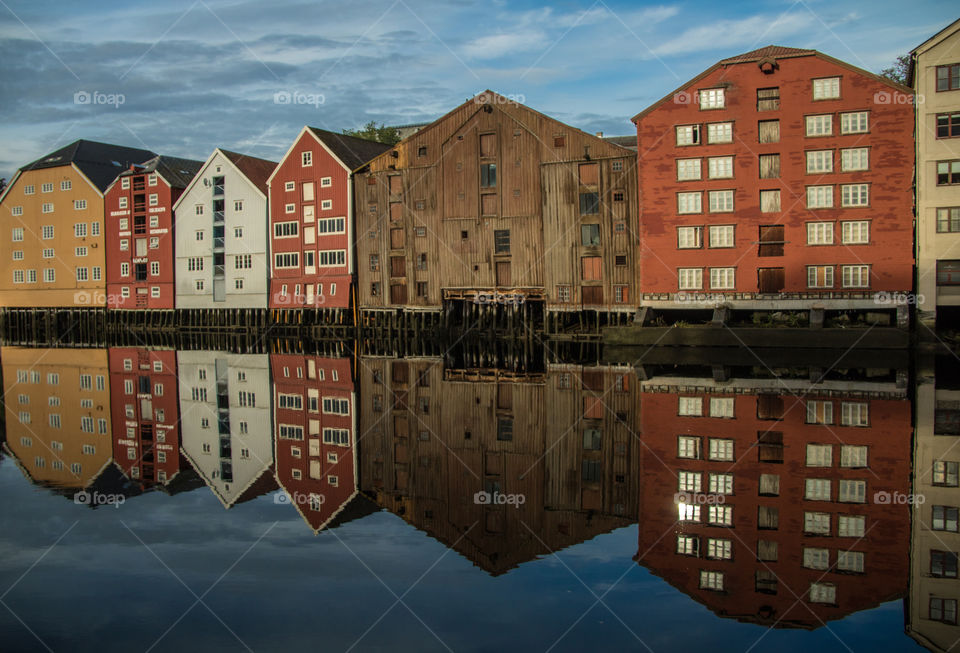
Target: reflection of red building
[146,415]
[315,434]
[138,218]
[311,213]
[781,516]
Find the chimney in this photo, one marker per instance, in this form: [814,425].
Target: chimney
[599,134]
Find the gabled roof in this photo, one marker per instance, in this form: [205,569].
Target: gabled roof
[629,142]
[772,53]
[178,172]
[258,171]
[100,162]
[352,151]
[930,42]
[768,52]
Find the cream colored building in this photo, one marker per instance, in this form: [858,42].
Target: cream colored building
[935,75]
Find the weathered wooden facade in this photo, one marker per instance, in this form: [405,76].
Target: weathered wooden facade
[497,204]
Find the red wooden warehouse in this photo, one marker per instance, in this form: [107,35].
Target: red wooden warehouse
[777,179]
[138,220]
[311,214]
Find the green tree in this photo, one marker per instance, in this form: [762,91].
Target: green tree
[373,132]
[899,71]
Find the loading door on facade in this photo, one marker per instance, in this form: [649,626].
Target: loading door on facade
[503,273]
[770,280]
[398,294]
[592,295]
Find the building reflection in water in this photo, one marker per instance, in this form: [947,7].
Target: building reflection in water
[768,497]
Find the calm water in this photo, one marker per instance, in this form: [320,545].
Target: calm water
[296,502]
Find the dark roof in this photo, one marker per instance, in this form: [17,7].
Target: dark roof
[353,151]
[178,172]
[623,141]
[254,169]
[768,52]
[100,162]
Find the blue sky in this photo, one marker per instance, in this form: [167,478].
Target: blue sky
[185,76]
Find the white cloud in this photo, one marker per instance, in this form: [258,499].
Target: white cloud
[505,43]
[745,34]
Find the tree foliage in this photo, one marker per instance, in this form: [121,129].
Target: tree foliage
[899,71]
[373,132]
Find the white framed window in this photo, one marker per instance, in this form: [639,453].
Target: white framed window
[819,197]
[816,558]
[855,276]
[721,483]
[46,188]
[855,158]
[238,205]
[817,523]
[154,242]
[689,237]
[326,205]
[690,406]
[198,284]
[711,98]
[690,278]
[154,222]
[719,132]
[819,161]
[720,449]
[719,549]
[153,199]
[66,184]
[854,413]
[306,159]
[722,278]
[124,269]
[850,561]
[18,255]
[851,525]
[79,251]
[823,593]
[155,291]
[48,252]
[720,167]
[290,208]
[721,406]
[688,134]
[31,276]
[721,235]
[826,88]
[152,179]
[154,268]
[79,205]
[711,580]
[721,201]
[125,183]
[80,230]
[331,258]
[49,275]
[720,515]
[688,169]
[688,545]
[817,489]
[853,456]
[819,276]
[689,481]
[290,186]
[125,291]
[688,446]
[855,195]
[286,229]
[82,274]
[29,189]
[17,234]
[855,232]
[819,455]
[689,202]
[47,207]
[331,226]
[820,125]
[852,491]
[286,260]
[198,209]
[122,203]
[855,122]
[326,182]
[819,233]
[16,211]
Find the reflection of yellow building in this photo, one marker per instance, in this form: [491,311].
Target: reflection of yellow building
[58,413]
[52,215]
[932,617]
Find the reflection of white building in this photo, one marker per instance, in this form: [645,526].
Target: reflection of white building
[226,427]
[932,617]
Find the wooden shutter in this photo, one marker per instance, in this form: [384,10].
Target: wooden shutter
[396,239]
[396,184]
[396,211]
[770,201]
[769,131]
[770,280]
[400,426]
[592,407]
[589,174]
[770,448]
[592,380]
[769,407]
[771,240]
[488,204]
[398,266]
[768,517]
[770,168]
[488,144]
[503,273]
[590,268]
[768,99]
[592,295]
[400,372]
[770,485]
[398,294]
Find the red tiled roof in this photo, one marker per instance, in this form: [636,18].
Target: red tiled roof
[768,52]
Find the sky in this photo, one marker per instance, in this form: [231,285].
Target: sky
[183,77]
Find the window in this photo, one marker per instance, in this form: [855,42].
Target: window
[688,545]
[768,99]
[948,173]
[720,132]
[823,593]
[501,241]
[331,225]
[769,167]
[155,268]
[48,252]
[851,525]
[857,122]
[721,406]
[819,233]
[488,175]
[17,235]
[154,199]
[47,207]
[590,235]
[690,278]
[852,491]
[711,580]
[769,131]
[79,205]
[29,190]
[306,159]
[332,258]
[722,278]
[819,197]
[720,515]
[690,406]
[287,260]
[721,201]
[943,564]
[286,229]
[948,220]
[948,77]
[819,161]
[721,483]
[326,205]
[816,489]
[816,558]
[46,188]
[721,449]
[80,230]
[49,275]
[688,481]
[720,167]
[719,549]
[821,125]
[721,235]
[688,134]
[688,512]
[853,159]
[689,203]
[817,523]
[819,276]
[688,446]
[827,88]
[18,254]
[855,276]
[589,203]
[689,237]
[243,261]
[688,169]
[819,455]
[944,610]
[855,195]
[16,211]
[711,98]
[855,232]
[563,294]
[948,125]
[944,518]
[82,274]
